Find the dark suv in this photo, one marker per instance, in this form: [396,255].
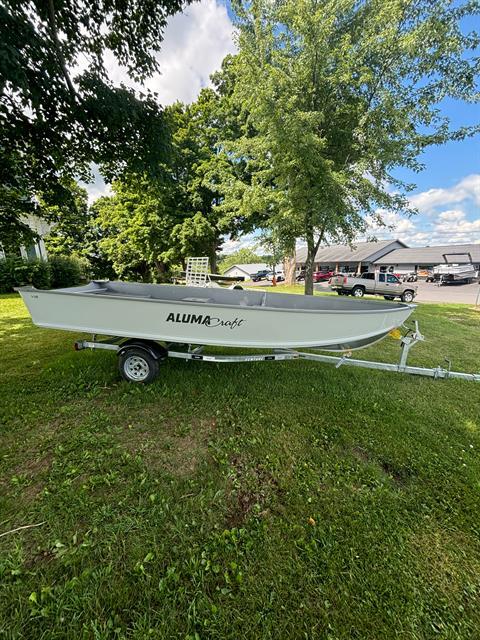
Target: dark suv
[260,275]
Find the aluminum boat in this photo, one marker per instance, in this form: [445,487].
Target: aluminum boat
[203,316]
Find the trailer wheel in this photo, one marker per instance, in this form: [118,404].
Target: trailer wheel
[137,365]
[358,292]
[407,296]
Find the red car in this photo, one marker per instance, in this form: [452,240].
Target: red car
[322,276]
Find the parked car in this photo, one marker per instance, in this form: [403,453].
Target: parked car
[384,284]
[322,276]
[279,276]
[260,275]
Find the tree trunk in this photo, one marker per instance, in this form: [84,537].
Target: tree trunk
[161,270]
[289,264]
[312,248]
[309,262]
[213,257]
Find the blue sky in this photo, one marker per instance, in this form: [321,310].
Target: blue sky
[448,189]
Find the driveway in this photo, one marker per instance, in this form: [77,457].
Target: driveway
[430,292]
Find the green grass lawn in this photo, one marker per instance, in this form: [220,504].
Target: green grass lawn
[259,500]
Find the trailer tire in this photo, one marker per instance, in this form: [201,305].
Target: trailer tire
[407,296]
[138,365]
[358,292]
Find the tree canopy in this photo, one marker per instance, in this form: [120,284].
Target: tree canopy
[241,256]
[58,109]
[337,95]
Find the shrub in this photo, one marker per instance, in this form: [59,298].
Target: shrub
[65,272]
[57,272]
[7,275]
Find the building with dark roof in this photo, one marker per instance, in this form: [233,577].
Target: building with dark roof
[359,257]
[419,258]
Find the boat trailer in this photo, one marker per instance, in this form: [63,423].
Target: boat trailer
[139,359]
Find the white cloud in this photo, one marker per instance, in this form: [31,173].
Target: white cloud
[97,188]
[438,222]
[394,225]
[248,241]
[455,225]
[194,46]
[467,189]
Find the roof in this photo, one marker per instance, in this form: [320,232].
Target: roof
[432,255]
[249,268]
[358,252]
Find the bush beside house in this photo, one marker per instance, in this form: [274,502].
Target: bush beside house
[57,272]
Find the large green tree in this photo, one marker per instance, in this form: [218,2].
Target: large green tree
[134,226]
[55,119]
[70,222]
[339,93]
[181,206]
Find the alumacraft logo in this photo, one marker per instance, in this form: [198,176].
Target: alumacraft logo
[208,321]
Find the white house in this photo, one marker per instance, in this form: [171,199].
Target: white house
[247,270]
[36,250]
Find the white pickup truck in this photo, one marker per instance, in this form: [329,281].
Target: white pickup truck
[383,284]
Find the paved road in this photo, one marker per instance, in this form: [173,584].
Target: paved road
[430,292]
[427,291]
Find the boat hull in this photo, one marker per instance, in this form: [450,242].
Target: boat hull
[195,319]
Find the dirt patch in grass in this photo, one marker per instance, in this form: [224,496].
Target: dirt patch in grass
[38,557]
[251,488]
[398,474]
[175,448]
[29,477]
[360,454]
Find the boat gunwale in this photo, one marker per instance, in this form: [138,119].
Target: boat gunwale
[112,296]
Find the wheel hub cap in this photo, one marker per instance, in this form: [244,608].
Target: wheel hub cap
[136,368]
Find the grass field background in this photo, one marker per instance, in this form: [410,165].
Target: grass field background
[257,500]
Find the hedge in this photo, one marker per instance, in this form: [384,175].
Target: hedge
[57,272]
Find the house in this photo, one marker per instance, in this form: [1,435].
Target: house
[247,270]
[424,258]
[357,258]
[37,250]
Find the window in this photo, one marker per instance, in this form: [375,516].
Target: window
[392,279]
[381,277]
[32,252]
[383,270]
[368,276]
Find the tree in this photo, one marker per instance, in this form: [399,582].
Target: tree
[241,256]
[70,222]
[339,94]
[55,121]
[134,228]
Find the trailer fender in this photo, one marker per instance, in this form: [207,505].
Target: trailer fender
[150,346]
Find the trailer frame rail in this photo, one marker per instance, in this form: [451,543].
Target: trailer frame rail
[196,352]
